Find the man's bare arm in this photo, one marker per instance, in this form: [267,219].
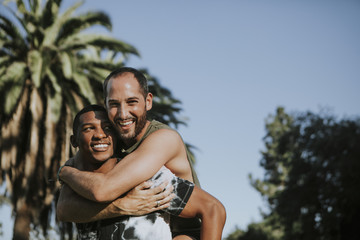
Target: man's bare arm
[155,151]
[73,208]
[141,200]
[212,213]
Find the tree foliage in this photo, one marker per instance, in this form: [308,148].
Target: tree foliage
[255,231]
[311,182]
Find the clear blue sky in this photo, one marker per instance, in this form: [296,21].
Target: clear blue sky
[231,63]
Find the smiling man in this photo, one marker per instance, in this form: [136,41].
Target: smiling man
[95,139]
[147,147]
[94,136]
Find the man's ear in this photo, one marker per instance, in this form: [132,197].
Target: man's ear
[73,141]
[148,101]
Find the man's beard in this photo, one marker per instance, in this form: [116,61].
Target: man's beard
[130,138]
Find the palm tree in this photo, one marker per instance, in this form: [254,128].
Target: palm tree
[49,68]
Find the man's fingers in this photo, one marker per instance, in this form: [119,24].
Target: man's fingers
[163,197]
[151,195]
[147,184]
[164,194]
[164,202]
[166,205]
[167,199]
[161,188]
[144,185]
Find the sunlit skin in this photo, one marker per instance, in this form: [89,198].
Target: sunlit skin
[95,138]
[95,132]
[127,107]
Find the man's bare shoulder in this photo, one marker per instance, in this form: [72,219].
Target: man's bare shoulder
[165,134]
[71,162]
[168,143]
[161,144]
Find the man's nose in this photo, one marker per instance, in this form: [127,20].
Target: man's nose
[123,112]
[99,134]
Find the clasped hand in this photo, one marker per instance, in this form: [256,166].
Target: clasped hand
[143,199]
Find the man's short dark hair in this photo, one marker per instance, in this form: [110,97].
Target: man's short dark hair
[140,77]
[88,108]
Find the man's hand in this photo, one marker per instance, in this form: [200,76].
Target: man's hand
[142,199]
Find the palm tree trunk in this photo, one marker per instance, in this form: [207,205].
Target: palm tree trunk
[22,223]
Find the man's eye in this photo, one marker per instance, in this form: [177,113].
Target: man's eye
[87,129]
[113,104]
[109,128]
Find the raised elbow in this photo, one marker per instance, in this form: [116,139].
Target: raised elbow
[102,194]
[216,210]
[97,195]
[220,212]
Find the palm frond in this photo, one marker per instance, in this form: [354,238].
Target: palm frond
[54,96]
[21,8]
[11,97]
[66,64]
[35,62]
[80,41]
[52,31]
[50,13]
[8,27]
[84,86]
[26,19]
[85,21]
[11,36]
[15,73]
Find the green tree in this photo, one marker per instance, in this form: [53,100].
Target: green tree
[311,178]
[257,231]
[51,65]
[275,163]
[268,229]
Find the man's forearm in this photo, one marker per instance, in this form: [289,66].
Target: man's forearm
[141,200]
[87,186]
[210,210]
[155,151]
[213,220]
[73,208]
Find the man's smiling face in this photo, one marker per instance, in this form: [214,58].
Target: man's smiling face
[95,136]
[127,107]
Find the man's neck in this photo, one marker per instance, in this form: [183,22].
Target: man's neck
[83,163]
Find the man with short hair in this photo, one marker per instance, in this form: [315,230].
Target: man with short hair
[151,144]
[94,136]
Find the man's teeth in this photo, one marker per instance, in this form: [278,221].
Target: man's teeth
[100,145]
[125,123]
